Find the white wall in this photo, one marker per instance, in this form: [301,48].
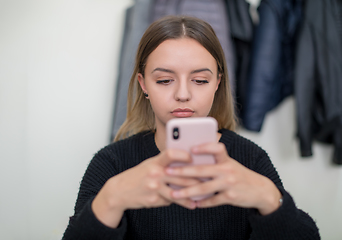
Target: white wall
[58,65]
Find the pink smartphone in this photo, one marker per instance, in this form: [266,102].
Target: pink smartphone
[184,133]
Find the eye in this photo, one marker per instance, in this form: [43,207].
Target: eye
[164,82]
[200,82]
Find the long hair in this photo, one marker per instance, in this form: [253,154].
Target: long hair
[140,116]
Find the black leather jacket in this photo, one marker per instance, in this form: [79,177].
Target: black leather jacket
[318,76]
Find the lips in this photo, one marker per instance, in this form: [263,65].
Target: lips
[182,112]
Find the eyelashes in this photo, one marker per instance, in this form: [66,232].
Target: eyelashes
[200,82]
[169,81]
[164,82]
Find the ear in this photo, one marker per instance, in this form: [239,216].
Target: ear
[141,81]
[218,81]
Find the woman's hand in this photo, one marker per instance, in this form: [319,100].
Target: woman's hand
[143,186]
[234,183]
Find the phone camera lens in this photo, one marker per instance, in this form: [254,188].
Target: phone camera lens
[175,133]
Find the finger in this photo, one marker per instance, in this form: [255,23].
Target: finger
[186,203]
[204,188]
[174,155]
[214,201]
[166,193]
[198,171]
[157,201]
[217,149]
[182,181]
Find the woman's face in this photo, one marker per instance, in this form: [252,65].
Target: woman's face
[180,80]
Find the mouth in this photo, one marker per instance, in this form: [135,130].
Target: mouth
[182,112]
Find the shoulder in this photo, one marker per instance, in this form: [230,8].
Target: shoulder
[242,149]
[126,144]
[127,152]
[233,140]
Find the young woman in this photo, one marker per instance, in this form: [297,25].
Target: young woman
[180,71]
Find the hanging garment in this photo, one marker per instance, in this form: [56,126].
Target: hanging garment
[241,30]
[270,77]
[318,77]
[212,11]
[138,18]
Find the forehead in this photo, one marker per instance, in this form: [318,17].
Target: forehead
[181,54]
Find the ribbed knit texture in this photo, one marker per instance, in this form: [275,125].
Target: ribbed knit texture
[176,222]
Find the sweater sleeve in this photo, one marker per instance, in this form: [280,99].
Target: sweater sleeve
[287,222]
[84,224]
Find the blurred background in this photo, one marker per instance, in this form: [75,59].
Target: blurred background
[59,71]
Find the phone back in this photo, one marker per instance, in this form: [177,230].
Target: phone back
[184,133]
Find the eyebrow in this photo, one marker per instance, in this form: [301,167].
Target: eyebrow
[201,70]
[163,70]
[192,72]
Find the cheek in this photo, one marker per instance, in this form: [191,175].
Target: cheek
[210,101]
[204,103]
[206,95]
[159,100]
[159,95]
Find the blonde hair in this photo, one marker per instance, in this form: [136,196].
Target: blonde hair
[140,116]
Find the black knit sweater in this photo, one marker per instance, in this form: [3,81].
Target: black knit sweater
[176,222]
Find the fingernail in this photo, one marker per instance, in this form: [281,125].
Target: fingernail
[193,205]
[169,170]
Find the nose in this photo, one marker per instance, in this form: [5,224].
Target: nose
[183,93]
